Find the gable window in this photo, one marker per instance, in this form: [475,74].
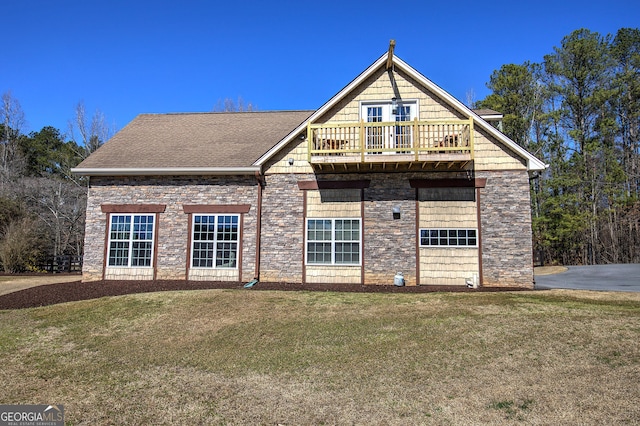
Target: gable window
[333,241]
[448,238]
[215,241]
[131,240]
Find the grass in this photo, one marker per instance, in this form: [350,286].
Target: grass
[259,357]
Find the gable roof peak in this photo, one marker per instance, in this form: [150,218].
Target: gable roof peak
[390,60]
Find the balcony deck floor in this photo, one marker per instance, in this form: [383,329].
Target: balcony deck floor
[433,157]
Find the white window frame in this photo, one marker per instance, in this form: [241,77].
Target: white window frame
[131,240]
[333,241]
[387,109]
[215,241]
[389,140]
[440,237]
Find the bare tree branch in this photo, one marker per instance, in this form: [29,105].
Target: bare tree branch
[92,133]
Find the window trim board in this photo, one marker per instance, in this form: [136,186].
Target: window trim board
[192,241]
[449,246]
[333,242]
[153,241]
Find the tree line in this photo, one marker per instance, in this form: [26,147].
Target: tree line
[579,111]
[42,205]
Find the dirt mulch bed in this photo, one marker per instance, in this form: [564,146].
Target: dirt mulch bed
[68,292]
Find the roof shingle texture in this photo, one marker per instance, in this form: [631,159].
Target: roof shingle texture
[235,139]
[486,111]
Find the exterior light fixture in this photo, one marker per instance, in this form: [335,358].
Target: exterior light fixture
[291,161]
[396,212]
[394,105]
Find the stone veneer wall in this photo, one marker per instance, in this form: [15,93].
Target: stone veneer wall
[389,244]
[172,227]
[507,257]
[281,243]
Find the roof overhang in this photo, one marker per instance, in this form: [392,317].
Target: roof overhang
[491,117]
[168,171]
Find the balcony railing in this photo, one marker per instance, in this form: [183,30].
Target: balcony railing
[398,141]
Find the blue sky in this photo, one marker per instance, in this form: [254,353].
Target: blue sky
[130,57]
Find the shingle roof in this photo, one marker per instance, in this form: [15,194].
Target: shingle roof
[486,111]
[194,140]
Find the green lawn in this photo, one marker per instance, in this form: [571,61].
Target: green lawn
[261,357]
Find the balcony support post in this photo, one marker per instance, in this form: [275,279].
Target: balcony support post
[416,138]
[471,137]
[362,141]
[309,142]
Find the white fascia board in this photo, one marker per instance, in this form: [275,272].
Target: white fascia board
[533,164]
[491,117]
[167,171]
[324,108]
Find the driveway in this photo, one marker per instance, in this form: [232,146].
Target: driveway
[594,277]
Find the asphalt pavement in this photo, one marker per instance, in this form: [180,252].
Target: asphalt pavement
[594,277]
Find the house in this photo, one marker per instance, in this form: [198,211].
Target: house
[392,174]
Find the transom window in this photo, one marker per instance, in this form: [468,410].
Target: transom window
[333,241]
[448,237]
[131,240]
[215,241]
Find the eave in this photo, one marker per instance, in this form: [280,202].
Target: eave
[167,171]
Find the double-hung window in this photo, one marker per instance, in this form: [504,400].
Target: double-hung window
[131,240]
[215,241]
[333,241]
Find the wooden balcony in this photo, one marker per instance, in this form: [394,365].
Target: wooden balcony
[441,143]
